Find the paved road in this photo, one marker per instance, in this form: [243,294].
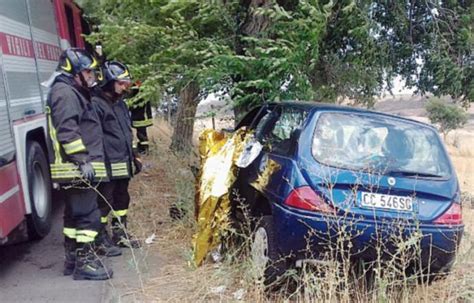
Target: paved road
[32,272]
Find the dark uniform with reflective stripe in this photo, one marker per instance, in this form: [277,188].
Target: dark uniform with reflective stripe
[117,130]
[75,134]
[141,119]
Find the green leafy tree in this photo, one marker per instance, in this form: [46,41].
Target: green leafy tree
[431,44]
[448,116]
[333,50]
[271,50]
[306,50]
[169,44]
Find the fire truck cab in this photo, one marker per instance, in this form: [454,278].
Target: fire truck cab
[32,35]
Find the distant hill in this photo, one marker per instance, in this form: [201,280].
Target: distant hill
[414,106]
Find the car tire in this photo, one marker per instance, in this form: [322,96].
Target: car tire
[267,261]
[39,186]
[439,270]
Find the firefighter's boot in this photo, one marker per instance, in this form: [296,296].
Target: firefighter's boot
[89,266]
[104,244]
[69,256]
[120,235]
[143,149]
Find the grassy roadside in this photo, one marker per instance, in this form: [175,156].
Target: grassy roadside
[167,180]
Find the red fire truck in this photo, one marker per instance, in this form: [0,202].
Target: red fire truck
[32,35]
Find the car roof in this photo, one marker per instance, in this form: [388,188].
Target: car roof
[315,106]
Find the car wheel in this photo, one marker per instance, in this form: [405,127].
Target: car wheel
[269,265]
[439,269]
[39,185]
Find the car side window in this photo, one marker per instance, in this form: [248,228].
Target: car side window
[254,117]
[290,119]
[249,118]
[289,122]
[265,125]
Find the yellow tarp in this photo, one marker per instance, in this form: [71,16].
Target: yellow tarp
[218,154]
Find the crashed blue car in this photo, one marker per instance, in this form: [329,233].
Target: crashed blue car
[345,181]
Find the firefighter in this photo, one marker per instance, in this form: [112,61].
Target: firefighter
[77,160]
[121,162]
[141,119]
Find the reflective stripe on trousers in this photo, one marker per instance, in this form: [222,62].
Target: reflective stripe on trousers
[81,236]
[85,236]
[69,232]
[142,123]
[117,215]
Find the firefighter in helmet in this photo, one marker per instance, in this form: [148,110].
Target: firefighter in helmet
[77,160]
[121,161]
[141,119]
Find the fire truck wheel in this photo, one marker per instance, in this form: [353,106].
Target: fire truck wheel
[39,182]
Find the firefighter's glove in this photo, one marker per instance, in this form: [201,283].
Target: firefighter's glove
[87,171]
[138,165]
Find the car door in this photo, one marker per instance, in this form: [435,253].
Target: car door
[260,121]
[277,164]
[277,132]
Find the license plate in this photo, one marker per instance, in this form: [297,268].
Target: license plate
[373,200]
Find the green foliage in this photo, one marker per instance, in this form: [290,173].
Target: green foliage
[166,43]
[288,49]
[310,51]
[432,44]
[447,116]
[276,64]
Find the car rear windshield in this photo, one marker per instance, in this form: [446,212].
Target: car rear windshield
[379,144]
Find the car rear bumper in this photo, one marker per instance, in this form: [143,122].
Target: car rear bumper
[311,235]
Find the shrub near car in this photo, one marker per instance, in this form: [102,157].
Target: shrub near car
[346,179]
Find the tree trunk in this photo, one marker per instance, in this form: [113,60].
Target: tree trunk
[251,24]
[239,113]
[181,140]
[255,23]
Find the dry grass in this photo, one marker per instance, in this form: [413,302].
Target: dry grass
[461,149]
[167,180]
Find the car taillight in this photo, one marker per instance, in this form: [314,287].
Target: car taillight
[305,198]
[453,216]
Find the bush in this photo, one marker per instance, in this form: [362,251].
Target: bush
[447,116]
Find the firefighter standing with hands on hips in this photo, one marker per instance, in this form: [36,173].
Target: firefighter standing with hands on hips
[77,160]
[121,161]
